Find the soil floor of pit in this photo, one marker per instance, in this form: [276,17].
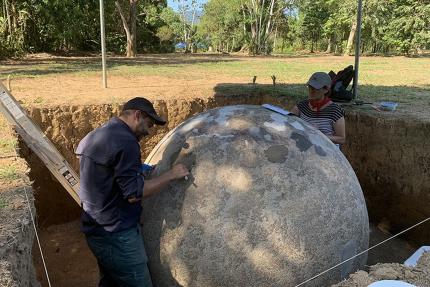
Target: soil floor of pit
[70,263]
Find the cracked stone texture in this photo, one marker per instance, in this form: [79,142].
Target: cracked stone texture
[270,202]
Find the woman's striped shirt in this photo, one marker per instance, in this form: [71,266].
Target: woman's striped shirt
[323,120]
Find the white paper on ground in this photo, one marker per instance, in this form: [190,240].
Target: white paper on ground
[413,260]
[390,283]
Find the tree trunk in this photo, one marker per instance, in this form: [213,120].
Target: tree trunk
[186,39]
[351,39]
[132,51]
[191,33]
[274,40]
[328,50]
[14,15]
[269,21]
[261,16]
[7,14]
[269,28]
[4,8]
[244,19]
[260,29]
[330,44]
[253,20]
[129,27]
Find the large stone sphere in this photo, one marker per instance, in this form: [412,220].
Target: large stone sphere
[270,202]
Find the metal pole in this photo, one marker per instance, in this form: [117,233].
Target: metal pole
[357,49]
[102,32]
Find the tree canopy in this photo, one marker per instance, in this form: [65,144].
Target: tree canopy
[252,26]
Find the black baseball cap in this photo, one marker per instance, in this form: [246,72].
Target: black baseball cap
[146,106]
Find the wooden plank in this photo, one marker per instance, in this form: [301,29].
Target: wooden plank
[39,143]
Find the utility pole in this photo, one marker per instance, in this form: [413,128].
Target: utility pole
[102,32]
[357,49]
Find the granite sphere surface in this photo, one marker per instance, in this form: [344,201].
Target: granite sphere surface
[270,201]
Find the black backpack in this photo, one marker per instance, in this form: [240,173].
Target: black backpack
[340,83]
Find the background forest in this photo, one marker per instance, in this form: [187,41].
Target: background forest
[249,26]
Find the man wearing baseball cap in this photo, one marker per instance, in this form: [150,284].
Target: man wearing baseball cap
[320,111]
[111,190]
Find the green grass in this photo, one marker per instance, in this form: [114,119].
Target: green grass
[3,203]
[9,173]
[8,141]
[7,146]
[400,79]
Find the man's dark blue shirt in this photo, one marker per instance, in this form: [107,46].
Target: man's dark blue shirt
[110,173]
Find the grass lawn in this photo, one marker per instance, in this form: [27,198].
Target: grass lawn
[41,79]
[12,169]
[8,141]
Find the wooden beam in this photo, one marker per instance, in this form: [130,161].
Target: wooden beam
[39,143]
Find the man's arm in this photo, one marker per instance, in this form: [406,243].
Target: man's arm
[154,185]
[127,172]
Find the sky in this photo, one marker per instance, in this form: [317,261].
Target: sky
[174,4]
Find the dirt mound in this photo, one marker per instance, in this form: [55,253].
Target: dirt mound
[419,275]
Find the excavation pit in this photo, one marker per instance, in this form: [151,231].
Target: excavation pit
[389,153]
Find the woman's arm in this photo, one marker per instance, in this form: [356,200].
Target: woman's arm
[339,136]
[296,111]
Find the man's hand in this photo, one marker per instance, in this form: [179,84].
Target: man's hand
[153,185]
[178,171]
[133,199]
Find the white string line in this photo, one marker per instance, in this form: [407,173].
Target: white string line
[34,226]
[370,248]
[37,238]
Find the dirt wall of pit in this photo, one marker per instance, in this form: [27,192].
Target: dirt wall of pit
[389,154]
[391,157]
[16,239]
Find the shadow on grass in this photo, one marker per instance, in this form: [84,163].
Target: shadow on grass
[45,64]
[292,91]
[58,65]
[415,96]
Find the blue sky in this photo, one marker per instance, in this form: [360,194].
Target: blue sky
[174,4]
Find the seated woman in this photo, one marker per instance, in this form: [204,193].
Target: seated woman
[320,111]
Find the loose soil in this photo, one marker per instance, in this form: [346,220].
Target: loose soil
[70,262]
[418,276]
